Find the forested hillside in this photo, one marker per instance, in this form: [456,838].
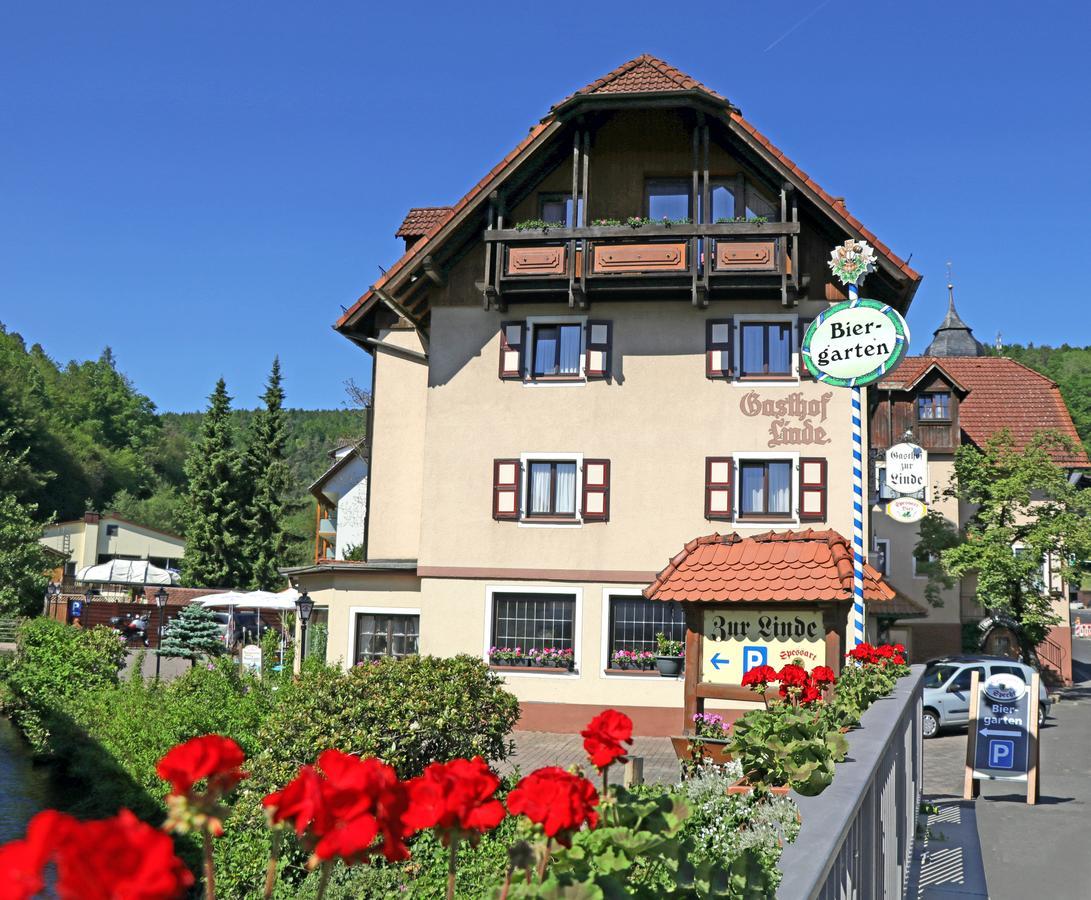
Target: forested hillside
[93,441]
[1070,367]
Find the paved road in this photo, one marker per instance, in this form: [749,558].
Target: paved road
[1025,851]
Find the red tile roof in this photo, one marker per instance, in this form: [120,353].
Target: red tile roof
[422,220]
[774,567]
[1002,393]
[643,74]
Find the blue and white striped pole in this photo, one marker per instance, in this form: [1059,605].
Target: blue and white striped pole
[858,615]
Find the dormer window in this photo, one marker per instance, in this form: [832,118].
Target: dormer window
[934,407]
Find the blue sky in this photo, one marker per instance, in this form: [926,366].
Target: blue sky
[203,185]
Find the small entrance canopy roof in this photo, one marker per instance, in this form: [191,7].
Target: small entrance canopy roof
[774,567]
[126,571]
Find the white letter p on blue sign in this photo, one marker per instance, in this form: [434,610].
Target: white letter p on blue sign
[752,657]
[1001,754]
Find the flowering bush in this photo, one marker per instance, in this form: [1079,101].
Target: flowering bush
[632,659]
[883,655]
[711,725]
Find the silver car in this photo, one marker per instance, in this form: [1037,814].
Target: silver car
[947,688]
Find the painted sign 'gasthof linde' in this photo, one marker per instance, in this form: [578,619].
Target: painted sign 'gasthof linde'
[855,342]
[906,469]
[736,641]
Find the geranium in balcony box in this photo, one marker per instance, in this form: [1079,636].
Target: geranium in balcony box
[624,659]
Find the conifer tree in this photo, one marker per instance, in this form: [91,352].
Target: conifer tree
[267,478]
[193,634]
[215,552]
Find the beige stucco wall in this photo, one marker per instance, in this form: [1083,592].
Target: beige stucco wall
[88,540]
[656,421]
[399,397]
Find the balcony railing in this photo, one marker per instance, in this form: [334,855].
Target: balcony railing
[697,261]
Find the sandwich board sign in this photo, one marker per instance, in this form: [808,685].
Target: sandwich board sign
[1002,744]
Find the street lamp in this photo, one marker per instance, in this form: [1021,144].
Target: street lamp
[52,591]
[303,604]
[161,602]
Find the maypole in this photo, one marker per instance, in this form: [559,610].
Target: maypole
[859,616]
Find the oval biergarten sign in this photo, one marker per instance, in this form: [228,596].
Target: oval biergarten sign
[906,509]
[855,342]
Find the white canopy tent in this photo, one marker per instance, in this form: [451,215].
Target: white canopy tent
[126,571]
[282,602]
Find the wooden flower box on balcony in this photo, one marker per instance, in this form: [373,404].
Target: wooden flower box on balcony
[609,259]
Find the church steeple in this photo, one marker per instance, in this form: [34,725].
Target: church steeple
[953,337]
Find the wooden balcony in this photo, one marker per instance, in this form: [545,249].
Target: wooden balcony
[697,262]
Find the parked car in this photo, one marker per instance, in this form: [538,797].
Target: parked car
[947,688]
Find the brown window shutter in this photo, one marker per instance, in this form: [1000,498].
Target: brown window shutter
[801,330]
[812,489]
[507,474]
[512,341]
[719,495]
[599,339]
[596,490]
[718,348]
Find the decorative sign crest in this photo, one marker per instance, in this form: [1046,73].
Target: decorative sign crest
[852,260]
[906,510]
[855,342]
[906,469]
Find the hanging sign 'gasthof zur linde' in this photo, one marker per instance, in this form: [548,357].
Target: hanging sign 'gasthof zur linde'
[736,641]
[906,469]
[855,343]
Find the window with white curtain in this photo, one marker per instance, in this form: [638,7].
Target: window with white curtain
[765,488]
[551,488]
[766,348]
[556,351]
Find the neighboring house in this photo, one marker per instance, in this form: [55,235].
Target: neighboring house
[100,537]
[559,414]
[954,394]
[341,494]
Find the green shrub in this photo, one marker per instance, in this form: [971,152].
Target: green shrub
[787,746]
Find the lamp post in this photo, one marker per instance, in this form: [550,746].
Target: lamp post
[52,591]
[161,602]
[303,604]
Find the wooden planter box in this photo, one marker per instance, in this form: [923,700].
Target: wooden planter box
[712,749]
[623,259]
[745,256]
[549,261]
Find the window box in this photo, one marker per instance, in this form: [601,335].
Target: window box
[610,259]
[670,666]
[688,746]
[636,673]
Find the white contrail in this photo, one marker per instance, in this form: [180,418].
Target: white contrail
[797,24]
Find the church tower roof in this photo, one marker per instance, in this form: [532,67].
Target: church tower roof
[954,337]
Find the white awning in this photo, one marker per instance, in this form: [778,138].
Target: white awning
[126,571]
[250,600]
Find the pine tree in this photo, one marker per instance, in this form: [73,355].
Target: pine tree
[192,634]
[215,551]
[23,559]
[267,476]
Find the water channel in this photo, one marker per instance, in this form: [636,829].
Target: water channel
[24,788]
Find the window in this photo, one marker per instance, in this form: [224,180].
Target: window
[935,406]
[534,621]
[765,488]
[551,488]
[937,674]
[725,193]
[961,682]
[881,488]
[557,351]
[723,199]
[918,562]
[634,623]
[556,209]
[1010,670]
[318,632]
[668,198]
[111,531]
[766,348]
[385,634]
[880,559]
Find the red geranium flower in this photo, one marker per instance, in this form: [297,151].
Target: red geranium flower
[604,735]
[342,804]
[212,756]
[792,676]
[810,693]
[823,675]
[759,676]
[557,800]
[457,798]
[110,859]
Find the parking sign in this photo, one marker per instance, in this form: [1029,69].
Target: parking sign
[1002,744]
[752,657]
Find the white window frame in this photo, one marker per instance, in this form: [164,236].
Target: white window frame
[759,319]
[525,459]
[604,630]
[932,556]
[1047,566]
[577,625]
[354,611]
[886,554]
[771,456]
[532,322]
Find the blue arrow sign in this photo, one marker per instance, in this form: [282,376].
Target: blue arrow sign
[718,661]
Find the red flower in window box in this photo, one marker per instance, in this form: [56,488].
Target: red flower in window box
[604,735]
[212,756]
[557,800]
[457,798]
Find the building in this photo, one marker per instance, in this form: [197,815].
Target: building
[955,394]
[341,495]
[586,366]
[101,537]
